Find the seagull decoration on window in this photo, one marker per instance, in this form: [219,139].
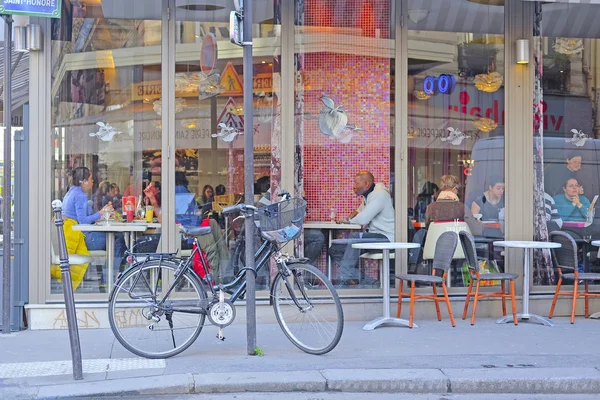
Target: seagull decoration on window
[333,121]
[455,137]
[226,133]
[105,133]
[579,138]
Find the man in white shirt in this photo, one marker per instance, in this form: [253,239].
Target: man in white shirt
[376,213]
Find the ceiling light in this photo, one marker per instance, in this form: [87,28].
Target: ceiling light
[418,15]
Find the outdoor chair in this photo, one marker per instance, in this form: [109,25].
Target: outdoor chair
[565,260]
[442,259]
[468,244]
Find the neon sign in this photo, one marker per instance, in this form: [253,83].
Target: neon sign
[445,84]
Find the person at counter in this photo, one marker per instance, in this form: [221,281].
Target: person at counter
[77,207]
[377,213]
[448,207]
[489,204]
[557,175]
[571,205]
[206,199]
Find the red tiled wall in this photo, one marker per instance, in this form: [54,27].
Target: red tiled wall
[362,84]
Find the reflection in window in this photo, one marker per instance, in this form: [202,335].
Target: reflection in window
[103,122]
[565,128]
[456,132]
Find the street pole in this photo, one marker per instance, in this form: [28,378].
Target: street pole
[65,270]
[249,177]
[6,193]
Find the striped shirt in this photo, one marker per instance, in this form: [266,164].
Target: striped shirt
[552,210]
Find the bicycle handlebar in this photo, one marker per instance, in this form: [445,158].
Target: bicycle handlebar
[239,207]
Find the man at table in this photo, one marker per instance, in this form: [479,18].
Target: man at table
[377,213]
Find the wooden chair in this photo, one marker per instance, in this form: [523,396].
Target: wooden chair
[565,259]
[442,259]
[468,244]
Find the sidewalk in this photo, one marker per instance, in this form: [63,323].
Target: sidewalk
[434,358]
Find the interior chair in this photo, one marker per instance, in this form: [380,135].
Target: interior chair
[565,262]
[468,245]
[442,259]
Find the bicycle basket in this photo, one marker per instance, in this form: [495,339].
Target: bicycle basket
[281,222]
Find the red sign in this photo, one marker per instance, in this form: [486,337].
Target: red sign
[208,54]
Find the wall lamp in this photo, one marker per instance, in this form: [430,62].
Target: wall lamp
[27,38]
[522,51]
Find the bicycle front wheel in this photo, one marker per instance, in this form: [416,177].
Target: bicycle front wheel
[308,309]
[150,322]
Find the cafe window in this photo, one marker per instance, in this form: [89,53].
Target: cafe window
[210,126]
[566,127]
[456,126]
[106,72]
[343,132]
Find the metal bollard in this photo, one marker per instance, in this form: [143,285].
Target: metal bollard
[68,292]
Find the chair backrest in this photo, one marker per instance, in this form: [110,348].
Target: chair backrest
[54,251]
[468,245]
[565,256]
[436,229]
[444,250]
[415,256]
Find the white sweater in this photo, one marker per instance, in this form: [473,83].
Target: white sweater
[377,212]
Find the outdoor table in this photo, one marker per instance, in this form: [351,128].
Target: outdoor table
[526,245]
[330,227]
[110,229]
[595,315]
[386,247]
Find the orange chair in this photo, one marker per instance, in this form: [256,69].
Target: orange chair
[468,244]
[565,259]
[442,259]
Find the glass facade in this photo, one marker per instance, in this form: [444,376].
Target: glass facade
[344,131]
[566,129]
[150,102]
[456,130]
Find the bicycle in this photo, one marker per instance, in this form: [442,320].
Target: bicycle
[158,306]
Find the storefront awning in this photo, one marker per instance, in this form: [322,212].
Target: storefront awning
[570,1]
[20,78]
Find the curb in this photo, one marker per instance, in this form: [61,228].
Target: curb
[479,380]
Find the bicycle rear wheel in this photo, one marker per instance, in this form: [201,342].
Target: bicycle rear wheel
[149,324]
[308,309]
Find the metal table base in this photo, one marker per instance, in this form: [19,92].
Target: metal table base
[526,318]
[376,323]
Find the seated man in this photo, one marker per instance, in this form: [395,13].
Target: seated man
[377,213]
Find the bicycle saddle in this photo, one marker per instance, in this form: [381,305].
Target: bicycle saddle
[195,231]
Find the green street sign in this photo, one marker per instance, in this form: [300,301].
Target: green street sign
[32,8]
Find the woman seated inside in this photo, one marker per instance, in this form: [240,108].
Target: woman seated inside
[448,207]
[571,205]
[77,207]
[489,204]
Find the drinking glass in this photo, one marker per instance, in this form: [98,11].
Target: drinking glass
[106,215]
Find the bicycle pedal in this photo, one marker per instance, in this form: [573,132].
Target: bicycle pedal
[221,338]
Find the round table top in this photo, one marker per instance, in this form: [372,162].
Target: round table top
[356,240]
[596,242]
[385,246]
[526,244]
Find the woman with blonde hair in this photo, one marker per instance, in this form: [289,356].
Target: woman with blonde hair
[448,206]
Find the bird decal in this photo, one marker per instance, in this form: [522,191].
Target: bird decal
[105,133]
[579,138]
[226,133]
[455,137]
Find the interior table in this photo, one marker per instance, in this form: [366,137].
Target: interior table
[526,246]
[595,315]
[386,247]
[110,229]
[330,227]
